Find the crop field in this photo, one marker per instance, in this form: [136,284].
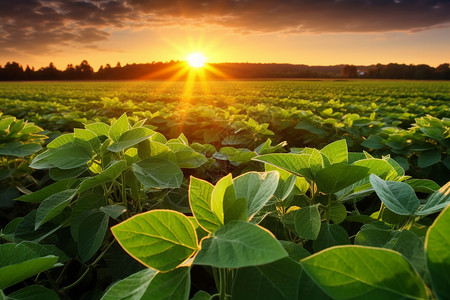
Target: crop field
[327,189]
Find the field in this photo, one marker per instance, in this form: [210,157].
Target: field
[225,189]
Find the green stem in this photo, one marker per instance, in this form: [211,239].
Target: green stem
[89,267]
[221,287]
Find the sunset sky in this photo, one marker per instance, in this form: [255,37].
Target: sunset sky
[319,32]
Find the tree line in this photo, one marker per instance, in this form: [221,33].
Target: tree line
[13,71]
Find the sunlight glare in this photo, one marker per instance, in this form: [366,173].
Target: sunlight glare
[196,60]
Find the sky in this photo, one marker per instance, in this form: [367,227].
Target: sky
[312,32]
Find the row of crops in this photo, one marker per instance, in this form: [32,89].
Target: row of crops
[240,190]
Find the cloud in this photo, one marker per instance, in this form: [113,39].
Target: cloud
[30,26]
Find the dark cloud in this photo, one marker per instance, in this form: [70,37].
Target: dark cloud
[37,25]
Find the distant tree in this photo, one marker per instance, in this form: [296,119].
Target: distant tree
[442,71]
[70,73]
[49,73]
[84,70]
[13,71]
[349,71]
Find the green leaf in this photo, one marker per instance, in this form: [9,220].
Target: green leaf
[278,280]
[330,235]
[336,152]
[47,191]
[200,193]
[18,262]
[131,288]
[114,211]
[429,158]
[120,126]
[47,249]
[18,149]
[87,137]
[52,206]
[356,272]
[437,244]
[338,176]
[173,285]
[337,212]
[186,157]
[130,138]
[436,201]
[407,243]
[69,156]
[297,164]
[376,166]
[256,188]
[316,162]
[33,292]
[423,185]
[99,128]
[201,295]
[373,142]
[223,189]
[399,197]
[239,244]
[159,239]
[158,173]
[109,174]
[91,234]
[307,222]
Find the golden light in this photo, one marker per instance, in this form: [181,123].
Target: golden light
[196,60]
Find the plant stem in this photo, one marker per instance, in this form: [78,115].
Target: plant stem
[89,267]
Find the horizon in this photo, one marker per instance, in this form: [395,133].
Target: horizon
[320,33]
[112,65]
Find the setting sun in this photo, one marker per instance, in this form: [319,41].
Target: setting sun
[196,60]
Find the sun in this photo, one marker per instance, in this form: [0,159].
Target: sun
[196,60]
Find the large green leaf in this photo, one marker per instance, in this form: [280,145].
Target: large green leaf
[186,157]
[69,156]
[256,188]
[399,197]
[297,164]
[336,152]
[52,206]
[200,193]
[437,245]
[239,244]
[405,242]
[109,174]
[307,222]
[357,272]
[18,149]
[429,158]
[423,185]
[338,176]
[173,285]
[91,233]
[158,173]
[130,138]
[223,190]
[160,239]
[44,193]
[131,288]
[330,235]
[278,280]
[376,166]
[18,262]
[87,137]
[99,128]
[33,292]
[120,126]
[436,201]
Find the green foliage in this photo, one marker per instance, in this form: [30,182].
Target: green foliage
[250,232]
